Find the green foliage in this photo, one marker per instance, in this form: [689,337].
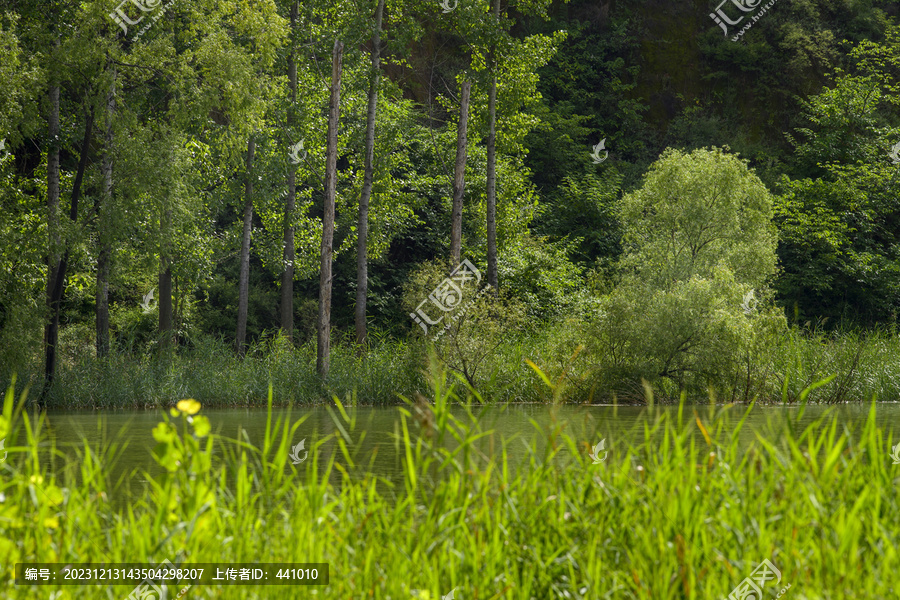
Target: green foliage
[470,333]
[208,75]
[583,211]
[841,248]
[540,276]
[17,74]
[23,233]
[694,213]
[839,220]
[699,249]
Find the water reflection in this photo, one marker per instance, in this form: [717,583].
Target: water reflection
[124,440]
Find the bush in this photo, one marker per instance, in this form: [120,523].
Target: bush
[692,304]
[471,332]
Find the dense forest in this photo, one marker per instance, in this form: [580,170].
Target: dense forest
[590,193]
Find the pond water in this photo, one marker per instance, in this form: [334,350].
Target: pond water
[377,430]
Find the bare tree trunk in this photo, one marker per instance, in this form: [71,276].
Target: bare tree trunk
[287,276]
[166,320]
[323,346]
[53,257]
[53,190]
[492,187]
[244,281]
[102,300]
[362,227]
[492,167]
[104,255]
[56,291]
[459,177]
[165,302]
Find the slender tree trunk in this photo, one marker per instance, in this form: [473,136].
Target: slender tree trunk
[287,276]
[244,282]
[459,177]
[165,302]
[56,292]
[102,301]
[492,166]
[104,256]
[166,310]
[54,244]
[362,227]
[323,346]
[492,187]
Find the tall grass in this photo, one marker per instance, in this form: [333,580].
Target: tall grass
[864,365]
[686,512]
[211,372]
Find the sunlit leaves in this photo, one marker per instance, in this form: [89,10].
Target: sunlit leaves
[698,238]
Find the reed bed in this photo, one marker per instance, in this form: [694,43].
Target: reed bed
[863,365]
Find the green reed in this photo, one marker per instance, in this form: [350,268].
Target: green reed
[684,511]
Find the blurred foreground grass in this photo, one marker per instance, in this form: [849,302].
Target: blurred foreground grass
[684,513]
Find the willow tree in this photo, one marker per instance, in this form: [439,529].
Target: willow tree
[699,253]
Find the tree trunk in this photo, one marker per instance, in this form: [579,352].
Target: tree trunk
[166,320]
[323,346]
[165,302]
[54,243]
[287,276]
[492,187]
[459,177]
[102,301]
[244,282]
[59,277]
[492,167]
[104,256]
[362,227]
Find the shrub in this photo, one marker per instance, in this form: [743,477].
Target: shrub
[469,334]
[692,303]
